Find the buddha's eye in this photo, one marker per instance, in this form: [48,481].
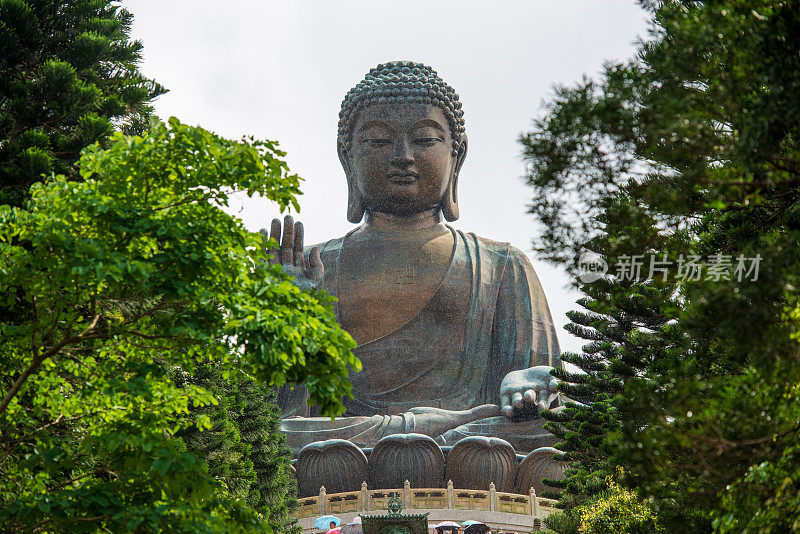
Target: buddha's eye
[376,141]
[426,141]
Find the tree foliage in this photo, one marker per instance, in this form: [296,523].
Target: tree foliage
[220,444]
[274,490]
[625,323]
[617,510]
[121,279]
[68,78]
[244,448]
[697,137]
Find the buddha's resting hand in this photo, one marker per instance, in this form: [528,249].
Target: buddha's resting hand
[435,421]
[528,388]
[307,273]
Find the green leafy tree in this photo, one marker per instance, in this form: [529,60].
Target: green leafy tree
[132,272]
[617,510]
[701,130]
[68,78]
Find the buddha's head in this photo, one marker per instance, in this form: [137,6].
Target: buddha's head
[401,142]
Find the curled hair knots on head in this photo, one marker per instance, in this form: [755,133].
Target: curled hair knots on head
[401,82]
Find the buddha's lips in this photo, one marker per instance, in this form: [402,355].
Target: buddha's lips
[404,179]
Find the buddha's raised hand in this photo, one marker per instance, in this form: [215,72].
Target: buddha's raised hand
[307,273]
[528,390]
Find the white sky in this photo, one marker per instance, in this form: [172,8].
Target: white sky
[279,70]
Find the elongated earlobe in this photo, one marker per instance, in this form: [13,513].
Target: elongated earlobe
[355,204]
[450,199]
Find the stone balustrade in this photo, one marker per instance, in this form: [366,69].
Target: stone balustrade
[448,498]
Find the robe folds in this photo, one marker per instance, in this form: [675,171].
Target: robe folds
[488,317]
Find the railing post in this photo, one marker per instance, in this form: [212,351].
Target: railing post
[451,496]
[407,494]
[323,501]
[364,497]
[492,497]
[534,503]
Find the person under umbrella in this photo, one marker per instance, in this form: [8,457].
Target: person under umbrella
[354,527]
[477,528]
[447,527]
[327,522]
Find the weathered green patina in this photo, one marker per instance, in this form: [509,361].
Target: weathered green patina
[395,522]
[454,332]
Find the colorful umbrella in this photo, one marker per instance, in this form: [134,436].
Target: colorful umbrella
[324,522]
[447,526]
[353,527]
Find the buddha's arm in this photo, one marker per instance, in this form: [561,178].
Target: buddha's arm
[522,296]
[524,343]
[363,431]
[367,430]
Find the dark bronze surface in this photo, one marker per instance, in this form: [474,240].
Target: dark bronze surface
[537,465]
[337,464]
[413,457]
[451,327]
[478,461]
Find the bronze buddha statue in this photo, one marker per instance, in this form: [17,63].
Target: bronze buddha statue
[453,330]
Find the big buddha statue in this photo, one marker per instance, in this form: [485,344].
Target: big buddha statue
[453,330]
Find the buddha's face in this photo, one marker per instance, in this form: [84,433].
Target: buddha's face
[401,161]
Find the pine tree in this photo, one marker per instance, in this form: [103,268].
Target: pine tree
[274,492]
[220,446]
[243,445]
[68,78]
[623,319]
[701,129]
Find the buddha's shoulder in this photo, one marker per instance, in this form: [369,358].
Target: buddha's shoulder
[331,244]
[502,250]
[327,249]
[491,244]
[495,251]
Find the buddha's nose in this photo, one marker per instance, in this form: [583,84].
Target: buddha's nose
[401,153]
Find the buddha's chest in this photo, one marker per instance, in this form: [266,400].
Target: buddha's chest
[384,284]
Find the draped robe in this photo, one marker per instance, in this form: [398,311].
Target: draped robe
[488,317]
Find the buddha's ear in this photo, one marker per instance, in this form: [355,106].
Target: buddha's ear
[450,200]
[355,205]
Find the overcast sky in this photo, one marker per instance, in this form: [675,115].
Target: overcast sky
[279,70]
